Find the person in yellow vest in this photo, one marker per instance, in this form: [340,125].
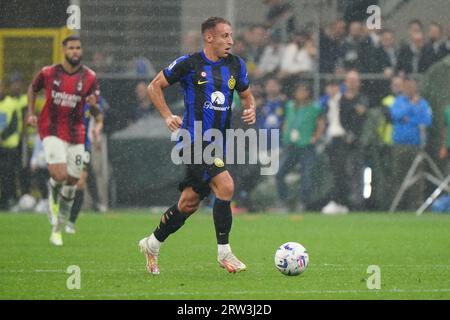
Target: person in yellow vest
[385,130]
[25,147]
[9,140]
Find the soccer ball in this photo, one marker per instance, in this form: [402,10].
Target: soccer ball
[291,259]
[26,202]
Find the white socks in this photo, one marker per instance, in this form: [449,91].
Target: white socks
[223,250]
[153,243]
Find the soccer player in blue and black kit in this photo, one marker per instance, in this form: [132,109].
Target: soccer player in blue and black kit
[208,79]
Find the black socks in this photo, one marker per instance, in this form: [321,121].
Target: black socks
[222,220]
[76,207]
[171,221]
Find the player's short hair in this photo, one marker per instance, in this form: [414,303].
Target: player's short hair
[70,38]
[212,22]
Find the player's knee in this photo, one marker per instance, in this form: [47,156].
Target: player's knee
[60,176]
[188,207]
[226,190]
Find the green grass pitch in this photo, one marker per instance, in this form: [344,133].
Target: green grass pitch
[413,254]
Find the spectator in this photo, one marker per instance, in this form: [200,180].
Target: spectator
[330,42]
[271,112]
[355,49]
[302,129]
[240,47]
[410,114]
[141,67]
[271,58]
[445,46]
[433,50]
[101,62]
[385,57]
[384,130]
[336,150]
[298,56]
[280,19]
[411,58]
[346,117]
[191,42]
[353,112]
[40,174]
[256,40]
[144,106]
[356,10]
[25,147]
[445,136]
[415,26]
[370,41]
[9,141]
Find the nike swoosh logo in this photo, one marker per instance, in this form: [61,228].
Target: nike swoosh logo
[201,82]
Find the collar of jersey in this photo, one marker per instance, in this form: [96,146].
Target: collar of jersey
[70,73]
[214,63]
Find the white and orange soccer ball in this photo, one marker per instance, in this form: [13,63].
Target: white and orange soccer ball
[291,259]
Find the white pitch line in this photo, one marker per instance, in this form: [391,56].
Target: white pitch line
[230,293]
[312,266]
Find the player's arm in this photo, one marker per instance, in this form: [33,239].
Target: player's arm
[31,116]
[33,90]
[249,106]
[156,95]
[97,129]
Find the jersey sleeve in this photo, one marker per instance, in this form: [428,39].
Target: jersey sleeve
[177,69]
[38,81]
[243,83]
[94,89]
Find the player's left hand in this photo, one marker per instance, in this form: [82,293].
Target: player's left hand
[91,100]
[249,115]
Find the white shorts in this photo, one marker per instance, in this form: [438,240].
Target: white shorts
[59,151]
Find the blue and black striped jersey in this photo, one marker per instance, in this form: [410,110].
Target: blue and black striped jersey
[208,88]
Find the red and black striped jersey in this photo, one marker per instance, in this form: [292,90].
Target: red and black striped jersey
[62,115]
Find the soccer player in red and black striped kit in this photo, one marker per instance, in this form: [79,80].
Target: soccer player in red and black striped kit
[68,86]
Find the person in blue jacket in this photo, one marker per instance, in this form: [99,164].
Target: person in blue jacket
[411,115]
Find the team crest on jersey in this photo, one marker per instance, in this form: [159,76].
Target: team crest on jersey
[218,163]
[231,83]
[203,74]
[79,85]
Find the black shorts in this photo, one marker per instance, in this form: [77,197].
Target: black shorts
[198,177]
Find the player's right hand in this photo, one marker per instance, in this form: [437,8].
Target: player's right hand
[32,120]
[173,122]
